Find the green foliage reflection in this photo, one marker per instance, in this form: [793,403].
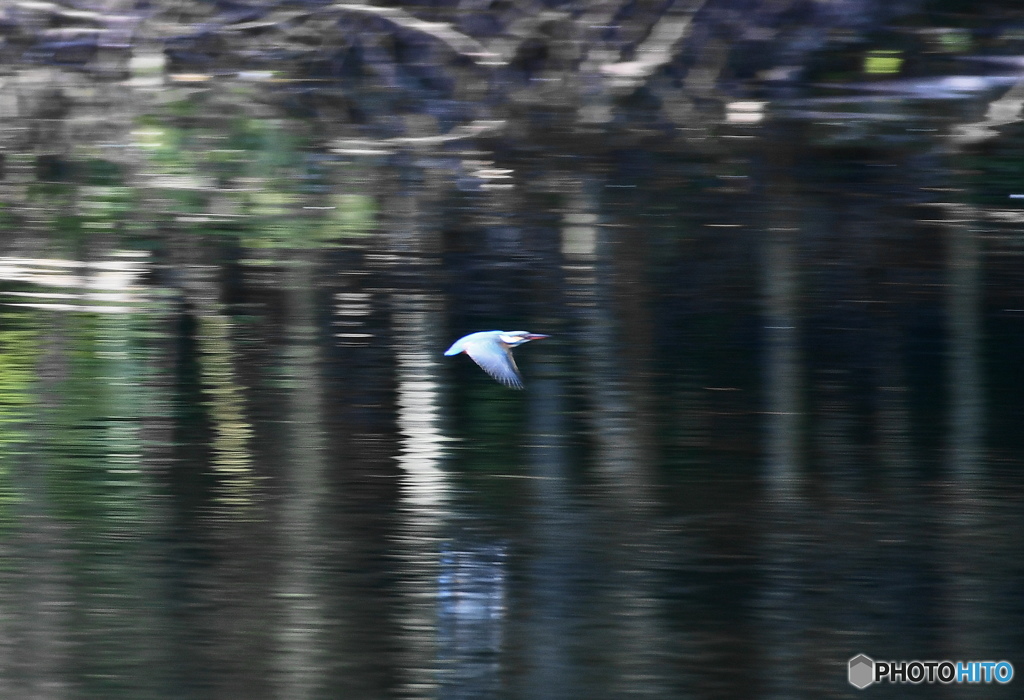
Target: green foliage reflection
[253,179]
[19,349]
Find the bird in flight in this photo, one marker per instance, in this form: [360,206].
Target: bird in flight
[492,350]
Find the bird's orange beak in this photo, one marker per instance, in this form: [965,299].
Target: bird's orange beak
[537,336]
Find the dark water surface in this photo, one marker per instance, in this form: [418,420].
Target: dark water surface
[777,423]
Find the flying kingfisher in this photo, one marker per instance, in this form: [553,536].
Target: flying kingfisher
[492,350]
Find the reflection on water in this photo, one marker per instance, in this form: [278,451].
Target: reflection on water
[104,286]
[776,425]
[470,619]
[725,477]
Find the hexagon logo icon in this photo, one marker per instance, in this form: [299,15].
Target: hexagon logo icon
[862,671]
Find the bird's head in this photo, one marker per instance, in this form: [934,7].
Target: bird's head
[514,338]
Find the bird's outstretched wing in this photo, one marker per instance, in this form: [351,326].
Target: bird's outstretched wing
[496,361]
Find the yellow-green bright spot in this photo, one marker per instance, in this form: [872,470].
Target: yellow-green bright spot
[955,41]
[151,137]
[882,62]
[272,203]
[353,215]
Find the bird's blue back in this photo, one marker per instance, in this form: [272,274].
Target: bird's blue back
[460,344]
